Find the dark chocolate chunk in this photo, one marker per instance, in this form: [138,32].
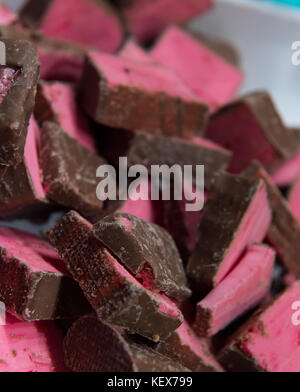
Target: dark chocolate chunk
[146,250]
[116,296]
[183,225]
[18,101]
[252,128]
[144,148]
[68,171]
[33,282]
[236,215]
[93,346]
[284,231]
[121,93]
[20,186]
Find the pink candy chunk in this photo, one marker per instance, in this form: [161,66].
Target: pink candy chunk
[8,77]
[150,77]
[288,171]
[252,229]
[7,17]
[143,208]
[30,250]
[32,160]
[211,78]
[84,22]
[71,119]
[30,347]
[133,51]
[241,290]
[60,65]
[273,340]
[199,347]
[147,18]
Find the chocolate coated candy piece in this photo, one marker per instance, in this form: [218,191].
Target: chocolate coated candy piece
[211,78]
[144,148]
[269,341]
[67,20]
[31,347]
[33,281]
[184,347]
[93,346]
[116,296]
[146,250]
[68,171]
[236,215]
[20,186]
[131,95]
[59,60]
[17,102]
[252,129]
[243,289]
[147,18]
[56,102]
[284,231]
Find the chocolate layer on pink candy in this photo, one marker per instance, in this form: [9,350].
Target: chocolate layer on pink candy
[33,281]
[125,94]
[252,129]
[284,231]
[147,251]
[211,78]
[68,171]
[184,347]
[56,101]
[147,149]
[183,225]
[21,187]
[147,18]
[31,347]
[116,296]
[236,215]
[269,341]
[244,288]
[67,20]
[93,346]
[17,99]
